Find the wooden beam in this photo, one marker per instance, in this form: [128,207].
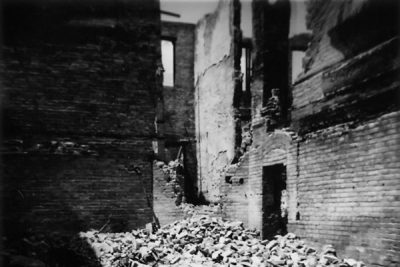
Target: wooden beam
[168,13]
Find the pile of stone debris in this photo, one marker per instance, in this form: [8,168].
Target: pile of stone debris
[212,210]
[208,241]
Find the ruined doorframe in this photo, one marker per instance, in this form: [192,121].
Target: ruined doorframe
[274,200]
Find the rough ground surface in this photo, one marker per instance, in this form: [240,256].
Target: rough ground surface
[203,240]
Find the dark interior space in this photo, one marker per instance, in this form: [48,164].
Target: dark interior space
[276,55]
[274,215]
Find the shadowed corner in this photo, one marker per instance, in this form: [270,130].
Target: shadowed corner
[55,243]
[44,218]
[54,185]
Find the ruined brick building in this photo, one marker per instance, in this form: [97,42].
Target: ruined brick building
[293,127]
[79,90]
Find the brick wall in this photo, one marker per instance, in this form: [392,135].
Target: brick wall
[178,104]
[347,183]
[78,111]
[364,85]
[165,206]
[267,149]
[179,99]
[342,183]
[329,20]
[235,192]
[341,149]
[215,86]
[343,170]
[69,193]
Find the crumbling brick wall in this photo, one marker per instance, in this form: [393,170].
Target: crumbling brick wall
[179,99]
[269,149]
[335,87]
[177,122]
[165,198]
[78,114]
[345,182]
[341,150]
[339,175]
[234,191]
[176,126]
[342,184]
[270,29]
[214,97]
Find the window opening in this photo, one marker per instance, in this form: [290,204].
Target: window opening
[245,68]
[297,64]
[168,58]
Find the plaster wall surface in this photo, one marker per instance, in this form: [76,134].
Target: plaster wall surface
[214,73]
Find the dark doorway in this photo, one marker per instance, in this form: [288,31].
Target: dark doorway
[274,201]
[190,172]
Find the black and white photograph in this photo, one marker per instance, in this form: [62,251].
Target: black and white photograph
[200,133]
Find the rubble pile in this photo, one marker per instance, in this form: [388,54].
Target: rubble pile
[190,210]
[208,241]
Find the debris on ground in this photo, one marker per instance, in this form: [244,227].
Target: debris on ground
[191,210]
[203,240]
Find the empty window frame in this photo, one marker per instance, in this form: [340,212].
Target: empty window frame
[297,64]
[168,61]
[245,66]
